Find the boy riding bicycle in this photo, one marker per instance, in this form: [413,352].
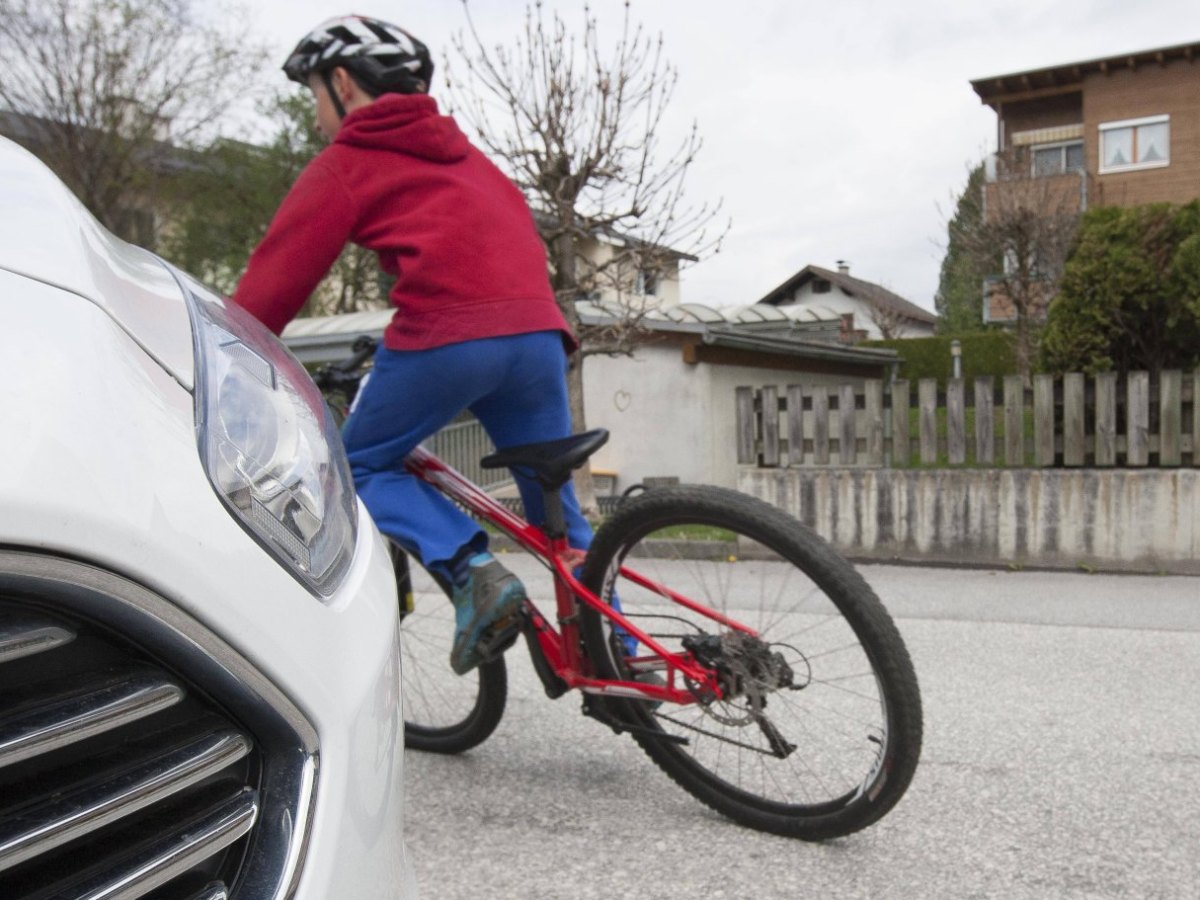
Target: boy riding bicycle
[476,324]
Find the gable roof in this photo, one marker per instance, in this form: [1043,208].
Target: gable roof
[866,291]
[1050,79]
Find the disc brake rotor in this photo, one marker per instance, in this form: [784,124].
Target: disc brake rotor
[747,669]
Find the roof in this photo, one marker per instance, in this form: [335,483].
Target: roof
[795,346]
[1066,76]
[32,131]
[864,290]
[328,338]
[610,235]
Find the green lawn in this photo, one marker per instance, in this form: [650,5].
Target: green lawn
[694,533]
[943,460]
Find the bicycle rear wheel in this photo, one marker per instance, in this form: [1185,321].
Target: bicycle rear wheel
[443,712]
[819,730]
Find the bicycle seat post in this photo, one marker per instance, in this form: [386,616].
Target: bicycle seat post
[550,464]
[556,523]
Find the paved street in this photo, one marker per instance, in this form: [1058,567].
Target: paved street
[1061,760]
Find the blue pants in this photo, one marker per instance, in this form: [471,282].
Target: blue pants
[514,385]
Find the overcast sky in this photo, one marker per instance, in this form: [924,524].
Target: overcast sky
[832,130]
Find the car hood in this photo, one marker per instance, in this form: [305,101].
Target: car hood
[47,234]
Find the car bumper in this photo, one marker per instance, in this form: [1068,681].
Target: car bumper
[102,468]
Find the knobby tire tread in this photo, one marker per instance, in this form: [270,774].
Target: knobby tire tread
[476,727]
[847,589]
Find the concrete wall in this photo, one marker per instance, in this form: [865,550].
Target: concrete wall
[668,417]
[1128,520]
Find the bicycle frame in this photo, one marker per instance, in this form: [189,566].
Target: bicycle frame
[687,681]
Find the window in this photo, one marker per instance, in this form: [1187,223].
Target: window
[1058,159]
[647,283]
[1135,144]
[820,286]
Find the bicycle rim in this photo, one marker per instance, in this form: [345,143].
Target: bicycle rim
[820,733]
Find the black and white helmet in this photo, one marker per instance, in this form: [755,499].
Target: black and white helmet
[384,58]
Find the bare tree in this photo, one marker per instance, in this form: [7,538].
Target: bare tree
[105,91]
[890,321]
[1024,237]
[577,126]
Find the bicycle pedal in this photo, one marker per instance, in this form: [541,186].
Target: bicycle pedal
[498,638]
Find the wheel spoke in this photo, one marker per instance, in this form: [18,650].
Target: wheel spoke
[443,712]
[806,719]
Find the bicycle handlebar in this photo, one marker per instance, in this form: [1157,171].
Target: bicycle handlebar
[364,349]
[346,374]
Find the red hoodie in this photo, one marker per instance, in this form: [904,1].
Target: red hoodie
[404,181]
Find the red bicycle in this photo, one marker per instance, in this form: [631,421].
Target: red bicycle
[749,660]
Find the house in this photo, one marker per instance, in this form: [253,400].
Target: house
[619,268]
[1121,130]
[864,310]
[148,158]
[669,405]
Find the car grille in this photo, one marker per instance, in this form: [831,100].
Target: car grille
[122,776]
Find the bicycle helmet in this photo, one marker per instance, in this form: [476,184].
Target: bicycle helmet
[383,58]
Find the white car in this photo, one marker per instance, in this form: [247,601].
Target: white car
[199,665]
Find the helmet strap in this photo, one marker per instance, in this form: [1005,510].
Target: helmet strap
[337,103]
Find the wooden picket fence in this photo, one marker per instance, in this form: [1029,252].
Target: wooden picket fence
[1057,420]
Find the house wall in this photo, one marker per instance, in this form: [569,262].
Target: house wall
[1172,89]
[837,303]
[834,304]
[667,417]
[657,410]
[600,252]
[1122,93]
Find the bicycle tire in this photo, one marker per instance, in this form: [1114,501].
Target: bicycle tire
[443,712]
[823,757]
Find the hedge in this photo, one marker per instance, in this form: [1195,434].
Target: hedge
[983,353]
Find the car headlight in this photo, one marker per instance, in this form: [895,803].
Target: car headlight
[269,444]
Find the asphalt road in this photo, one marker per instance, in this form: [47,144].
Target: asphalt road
[1061,760]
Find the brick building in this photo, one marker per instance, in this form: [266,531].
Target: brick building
[1123,130]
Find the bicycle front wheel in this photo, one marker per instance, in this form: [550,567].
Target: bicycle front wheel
[443,712]
[818,731]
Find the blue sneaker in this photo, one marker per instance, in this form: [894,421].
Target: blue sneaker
[485,613]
